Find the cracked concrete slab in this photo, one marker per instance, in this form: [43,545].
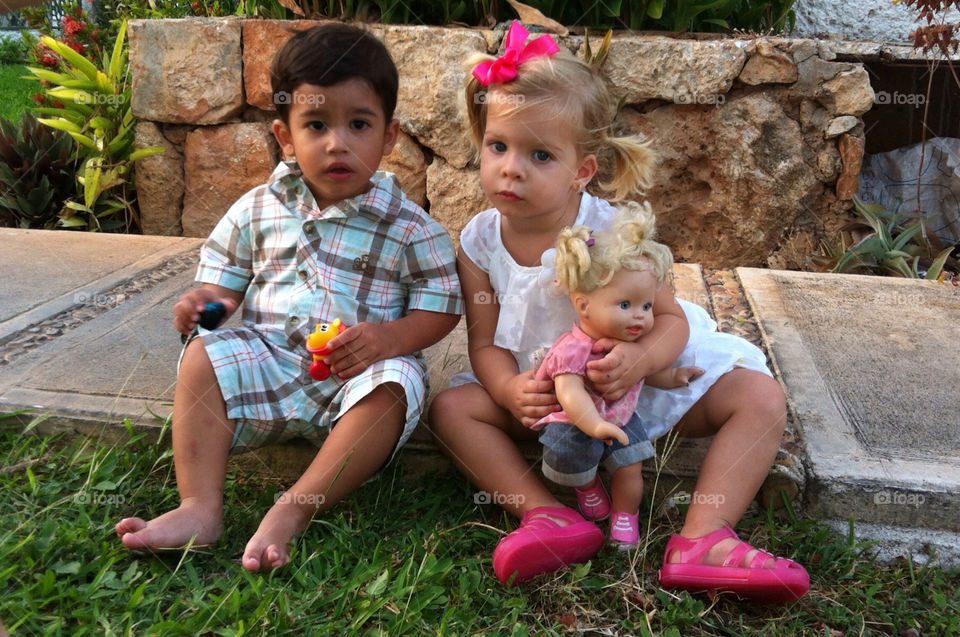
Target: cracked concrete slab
[871,370]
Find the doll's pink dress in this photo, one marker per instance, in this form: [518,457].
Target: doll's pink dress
[570,354]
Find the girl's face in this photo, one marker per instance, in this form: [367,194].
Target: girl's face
[621,309]
[529,165]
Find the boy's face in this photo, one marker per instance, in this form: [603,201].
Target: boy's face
[337,134]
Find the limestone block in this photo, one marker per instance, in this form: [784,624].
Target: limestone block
[261,41]
[432,74]
[768,66]
[840,125]
[408,164]
[851,149]
[159,181]
[186,70]
[222,163]
[455,195]
[730,183]
[813,116]
[849,93]
[829,163]
[429,61]
[813,71]
[682,71]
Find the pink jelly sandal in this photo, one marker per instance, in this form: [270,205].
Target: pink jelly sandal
[540,545]
[593,502]
[784,581]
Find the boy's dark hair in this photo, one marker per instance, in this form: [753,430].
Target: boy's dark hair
[328,54]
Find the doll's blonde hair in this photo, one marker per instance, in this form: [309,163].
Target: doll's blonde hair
[584,266]
[582,98]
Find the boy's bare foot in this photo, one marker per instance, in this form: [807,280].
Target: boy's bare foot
[270,545]
[173,529]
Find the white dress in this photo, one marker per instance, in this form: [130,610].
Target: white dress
[533,313]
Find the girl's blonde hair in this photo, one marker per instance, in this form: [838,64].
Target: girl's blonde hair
[584,265]
[581,97]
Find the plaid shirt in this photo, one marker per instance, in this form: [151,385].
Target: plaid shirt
[374,257]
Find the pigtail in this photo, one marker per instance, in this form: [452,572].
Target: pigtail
[475,102]
[572,259]
[636,229]
[633,165]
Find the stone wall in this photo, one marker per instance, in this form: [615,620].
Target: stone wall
[760,140]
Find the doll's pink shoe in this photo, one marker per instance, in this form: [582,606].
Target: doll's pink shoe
[624,530]
[541,545]
[782,581]
[593,501]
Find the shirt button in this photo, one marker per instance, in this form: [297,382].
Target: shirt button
[309,228]
[294,320]
[302,274]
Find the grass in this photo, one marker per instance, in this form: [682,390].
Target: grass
[403,556]
[15,92]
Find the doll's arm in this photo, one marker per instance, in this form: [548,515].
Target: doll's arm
[573,396]
[673,377]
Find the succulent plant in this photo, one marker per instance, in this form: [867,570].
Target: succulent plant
[37,173]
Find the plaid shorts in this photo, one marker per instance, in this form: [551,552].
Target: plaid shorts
[271,397]
[571,457]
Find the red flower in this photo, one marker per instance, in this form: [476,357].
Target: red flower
[72,26]
[46,57]
[57,104]
[38,98]
[76,46]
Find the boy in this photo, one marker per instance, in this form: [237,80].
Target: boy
[327,237]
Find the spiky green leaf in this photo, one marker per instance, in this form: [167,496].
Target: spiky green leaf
[81,63]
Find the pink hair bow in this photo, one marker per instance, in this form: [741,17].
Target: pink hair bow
[504,68]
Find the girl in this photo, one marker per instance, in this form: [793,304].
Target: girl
[542,122]
[612,279]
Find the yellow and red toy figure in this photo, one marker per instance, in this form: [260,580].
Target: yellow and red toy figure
[317,345]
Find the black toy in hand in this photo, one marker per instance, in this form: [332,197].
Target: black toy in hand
[212,314]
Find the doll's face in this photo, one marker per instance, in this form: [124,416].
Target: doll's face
[622,309]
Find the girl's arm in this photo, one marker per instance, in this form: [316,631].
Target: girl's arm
[527,399]
[582,412]
[627,363]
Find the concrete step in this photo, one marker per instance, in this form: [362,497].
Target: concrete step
[869,364]
[872,367]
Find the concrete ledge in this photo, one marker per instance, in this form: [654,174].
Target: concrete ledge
[870,366]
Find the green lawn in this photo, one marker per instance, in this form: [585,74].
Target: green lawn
[402,556]
[15,92]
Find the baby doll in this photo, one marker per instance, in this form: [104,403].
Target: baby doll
[612,278]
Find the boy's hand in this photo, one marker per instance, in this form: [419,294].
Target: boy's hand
[529,399]
[614,374]
[186,311]
[358,347]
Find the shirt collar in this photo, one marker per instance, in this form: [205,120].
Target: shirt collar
[383,200]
